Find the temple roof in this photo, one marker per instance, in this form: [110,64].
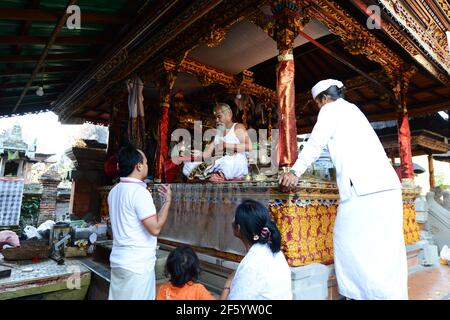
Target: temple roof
[25,29]
[433,122]
[12,141]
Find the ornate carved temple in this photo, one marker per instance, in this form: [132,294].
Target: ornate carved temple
[17,157]
[260,57]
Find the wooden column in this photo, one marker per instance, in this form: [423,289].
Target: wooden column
[114,131]
[283,26]
[114,102]
[288,21]
[166,82]
[431,171]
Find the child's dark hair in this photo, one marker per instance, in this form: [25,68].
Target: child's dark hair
[256,225]
[128,158]
[333,92]
[182,266]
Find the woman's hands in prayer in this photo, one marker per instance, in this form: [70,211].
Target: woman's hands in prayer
[166,192]
[288,180]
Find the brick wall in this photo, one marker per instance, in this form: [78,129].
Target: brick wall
[47,208]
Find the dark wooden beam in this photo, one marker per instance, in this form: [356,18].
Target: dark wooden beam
[60,40]
[31,109]
[51,40]
[35,84]
[49,15]
[29,94]
[10,100]
[48,70]
[415,110]
[50,57]
[34,4]
[48,100]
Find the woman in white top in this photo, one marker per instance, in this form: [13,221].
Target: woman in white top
[263,274]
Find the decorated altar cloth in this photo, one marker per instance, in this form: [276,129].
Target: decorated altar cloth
[201,216]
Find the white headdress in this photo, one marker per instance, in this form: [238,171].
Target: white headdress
[323,85]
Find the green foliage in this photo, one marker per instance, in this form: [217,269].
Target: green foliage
[29,212]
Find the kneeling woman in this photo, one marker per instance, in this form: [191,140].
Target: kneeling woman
[264,272]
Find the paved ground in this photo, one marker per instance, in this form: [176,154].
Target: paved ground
[432,283]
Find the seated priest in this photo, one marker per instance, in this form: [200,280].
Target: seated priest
[230,146]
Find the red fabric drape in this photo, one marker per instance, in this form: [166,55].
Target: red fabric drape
[404,139]
[163,147]
[287,150]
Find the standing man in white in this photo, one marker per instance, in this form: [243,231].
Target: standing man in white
[369,248]
[135,226]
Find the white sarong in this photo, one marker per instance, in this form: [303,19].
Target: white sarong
[369,247]
[128,285]
[232,166]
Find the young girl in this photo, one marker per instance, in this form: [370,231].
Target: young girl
[183,267]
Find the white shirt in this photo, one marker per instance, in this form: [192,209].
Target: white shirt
[134,248]
[262,275]
[354,147]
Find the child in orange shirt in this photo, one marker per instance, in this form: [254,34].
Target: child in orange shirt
[183,268]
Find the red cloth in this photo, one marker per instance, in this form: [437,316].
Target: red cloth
[219,177]
[110,167]
[287,151]
[163,146]
[171,171]
[404,137]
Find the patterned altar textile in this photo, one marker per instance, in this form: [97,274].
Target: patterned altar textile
[306,228]
[410,227]
[11,191]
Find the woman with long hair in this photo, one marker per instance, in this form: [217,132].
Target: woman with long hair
[264,272]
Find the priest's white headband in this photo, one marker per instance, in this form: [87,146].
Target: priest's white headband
[323,85]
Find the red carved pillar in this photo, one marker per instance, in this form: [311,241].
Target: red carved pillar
[400,80]
[165,88]
[404,140]
[287,151]
[288,21]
